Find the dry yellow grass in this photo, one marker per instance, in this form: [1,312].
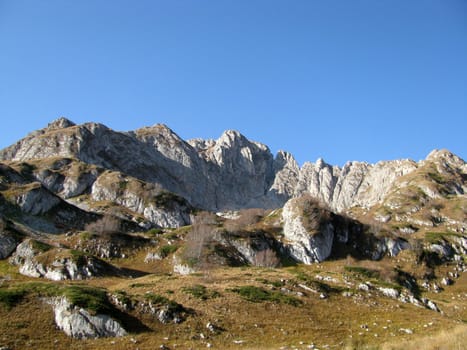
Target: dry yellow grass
[335,321]
[452,339]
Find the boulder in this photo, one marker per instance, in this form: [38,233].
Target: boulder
[79,323]
[37,259]
[306,244]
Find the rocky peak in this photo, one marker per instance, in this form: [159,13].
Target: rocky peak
[320,163]
[231,172]
[230,138]
[285,159]
[60,123]
[446,159]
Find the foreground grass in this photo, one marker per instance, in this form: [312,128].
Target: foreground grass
[453,339]
[256,308]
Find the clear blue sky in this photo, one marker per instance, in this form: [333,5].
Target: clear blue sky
[343,80]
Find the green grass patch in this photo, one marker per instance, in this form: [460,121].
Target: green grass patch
[362,272]
[87,236]
[171,236]
[200,292]
[437,237]
[155,231]
[276,284]
[161,301]
[140,285]
[78,257]
[10,297]
[122,297]
[40,246]
[92,299]
[259,295]
[166,250]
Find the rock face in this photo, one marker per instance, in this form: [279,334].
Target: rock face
[306,243]
[158,207]
[231,172]
[8,243]
[356,184]
[79,323]
[36,259]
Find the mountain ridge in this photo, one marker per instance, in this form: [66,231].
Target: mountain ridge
[231,172]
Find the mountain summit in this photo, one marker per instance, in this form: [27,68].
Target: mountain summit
[229,173]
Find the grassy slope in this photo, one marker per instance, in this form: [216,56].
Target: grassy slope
[335,321]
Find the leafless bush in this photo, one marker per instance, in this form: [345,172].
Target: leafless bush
[107,224]
[201,234]
[387,273]
[313,212]
[266,258]
[246,218]
[375,228]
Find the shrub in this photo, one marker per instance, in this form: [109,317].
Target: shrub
[362,271]
[107,224]
[246,218]
[167,250]
[258,295]
[266,258]
[161,301]
[167,200]
[155,231]
[200,236]
[200,292]
[122,297]
[312,212]
[10,297]
[40,246]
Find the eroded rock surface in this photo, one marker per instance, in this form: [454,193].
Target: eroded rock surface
[79,323]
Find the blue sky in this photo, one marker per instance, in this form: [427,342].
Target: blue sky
[343,80]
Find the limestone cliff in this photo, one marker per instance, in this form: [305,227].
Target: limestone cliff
[231,172]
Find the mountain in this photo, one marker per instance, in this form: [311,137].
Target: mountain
[85,202]
[225,174]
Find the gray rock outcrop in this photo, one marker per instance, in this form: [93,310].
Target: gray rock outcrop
[305,244]
[8,243]
[36,259]
[158,207]
[77,322]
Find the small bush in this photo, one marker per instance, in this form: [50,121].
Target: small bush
[122,297]
[312,212]
[86,236]
[161,301]
[107,224]
[247,217]
[166,250]
[200,292]
[10,297]
[40,246]
[155,231]
[266,258]
[437,237]
[276,284]
[167,200]
[362,271]
[258,295]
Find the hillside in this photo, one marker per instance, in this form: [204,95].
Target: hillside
[141,239]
